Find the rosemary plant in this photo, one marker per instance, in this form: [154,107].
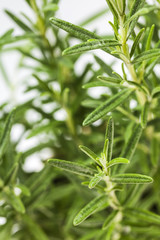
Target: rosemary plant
[104,183]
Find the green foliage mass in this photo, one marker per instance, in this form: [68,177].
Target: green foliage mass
[101,180]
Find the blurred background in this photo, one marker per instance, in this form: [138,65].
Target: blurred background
[11,87]
[70,10]
[74,11]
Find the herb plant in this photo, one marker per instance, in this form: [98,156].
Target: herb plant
[104,183]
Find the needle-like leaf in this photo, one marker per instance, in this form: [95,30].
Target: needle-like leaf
[109,220]
[95,205]
[14,200]
[156,92]
[144,114]
[95,180]
[18,21]
[72,167]
[136,41]
[50,7]
[141,12]
[109,135]
[130,147]
[131,178]
[112,6]
[116,161]
[107,106]
[101,83]
[147,55]
[74,30]
[107,68]
[137,4]
[89,153]
[91,45]
[6,132]
[110,79]
[143,215]
[149,39]
[154,151]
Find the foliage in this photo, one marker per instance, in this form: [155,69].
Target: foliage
[112,191]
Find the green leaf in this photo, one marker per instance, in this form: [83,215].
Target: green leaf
[156,92]
[107,68]
[107,106]
[72,167]
[89,153]
[137,4]
[114,27]
[101,84]
[60,192]
[14,200]
[136,41]
[140,12]
[149,39]
[74,30]
[95,180]
[111,80]
[112,6]
[105,153]
[131,145]
[118,188]
[12,172]
[98,187]
[6,230]
[25,190]
[109,232]
[147,55]
[118,75]
[1,183]
[95,205]
[7,34]
[18,21]
[143,215]
[90,45]
[124,73]
[144,114]
[15,39]
[119,54]
[5,137]
[124,5]
[139,87]
[110,219]
[154,151]
[50,7]
[121,5]
[109,135]
[91,234]
[116,161]
[33,228]
[131,178]
[90,103]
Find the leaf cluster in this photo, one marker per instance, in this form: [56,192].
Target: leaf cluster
[107,185]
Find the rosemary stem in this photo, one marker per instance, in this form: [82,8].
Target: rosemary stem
[123,38]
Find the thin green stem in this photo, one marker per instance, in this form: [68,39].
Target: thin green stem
[123,39]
